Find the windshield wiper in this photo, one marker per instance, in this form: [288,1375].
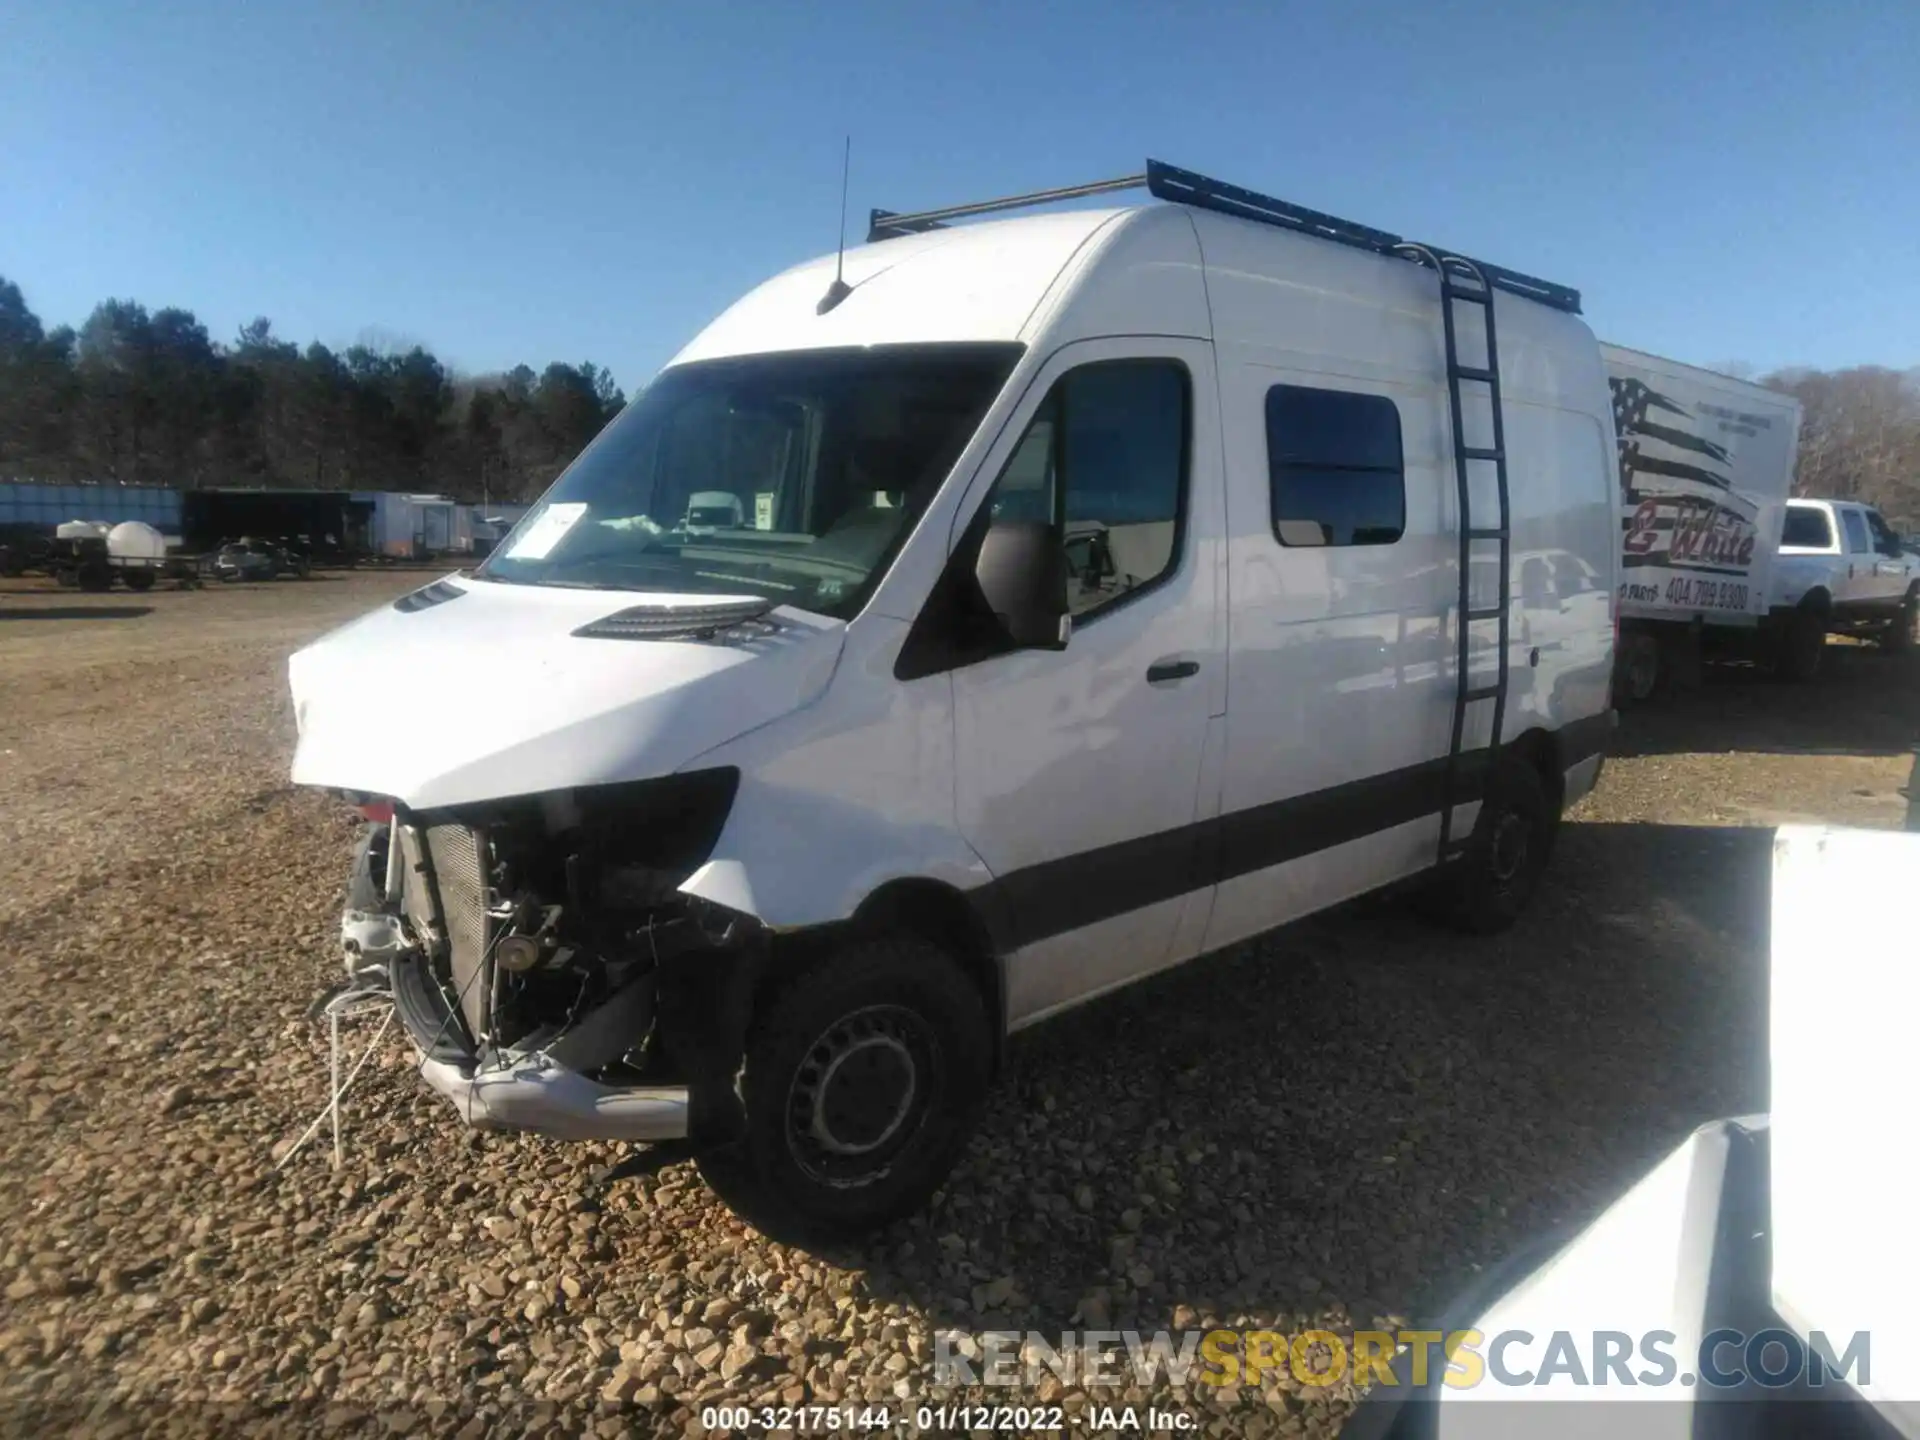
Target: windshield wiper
[586,585]
[556,584]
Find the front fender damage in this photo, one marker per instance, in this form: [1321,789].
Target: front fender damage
[797,858]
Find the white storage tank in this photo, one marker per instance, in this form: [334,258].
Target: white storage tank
[136,540]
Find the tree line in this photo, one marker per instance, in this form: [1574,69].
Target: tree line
[150,398]
[1859,437]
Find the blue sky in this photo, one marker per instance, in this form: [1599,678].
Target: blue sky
[1723,181]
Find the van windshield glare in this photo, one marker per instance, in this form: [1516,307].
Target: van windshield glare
[792,476]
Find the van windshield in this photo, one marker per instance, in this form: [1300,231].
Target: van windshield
[791,476]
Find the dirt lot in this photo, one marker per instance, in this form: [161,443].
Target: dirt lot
[1338,1125]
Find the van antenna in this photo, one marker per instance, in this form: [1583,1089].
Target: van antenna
[839,289]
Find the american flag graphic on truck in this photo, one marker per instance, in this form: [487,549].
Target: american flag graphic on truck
[1685,511]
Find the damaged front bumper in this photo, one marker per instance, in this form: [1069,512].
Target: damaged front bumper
[554,1081]
[537,1094]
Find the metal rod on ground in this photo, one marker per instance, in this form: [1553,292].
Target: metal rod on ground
[333,1080]
[339,1090]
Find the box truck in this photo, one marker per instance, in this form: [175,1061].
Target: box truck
[1706,464]
[1092,591]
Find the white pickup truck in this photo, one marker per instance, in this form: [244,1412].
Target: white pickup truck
[1841,570]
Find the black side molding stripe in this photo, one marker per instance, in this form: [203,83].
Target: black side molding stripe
[1057,896]
[1303,825]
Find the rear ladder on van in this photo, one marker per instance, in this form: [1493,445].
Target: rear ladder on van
[1462,282]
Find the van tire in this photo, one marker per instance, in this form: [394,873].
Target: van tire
[899,1010]
[1484,890]
[1898,637]
[1802,647]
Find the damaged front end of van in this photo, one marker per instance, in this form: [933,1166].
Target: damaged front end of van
[524,909]
[547,967]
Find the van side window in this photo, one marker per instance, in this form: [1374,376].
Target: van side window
[1105,458]
[1334,462]
[1857,542]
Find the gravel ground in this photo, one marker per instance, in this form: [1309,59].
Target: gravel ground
[1335,1127]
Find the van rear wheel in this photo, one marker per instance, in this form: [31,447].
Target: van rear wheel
[1484,890]
[863,1080]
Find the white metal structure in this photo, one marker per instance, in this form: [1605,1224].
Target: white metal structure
[405,525]
[1089,598]
[1842,568]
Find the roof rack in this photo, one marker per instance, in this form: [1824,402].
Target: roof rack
[1186,187]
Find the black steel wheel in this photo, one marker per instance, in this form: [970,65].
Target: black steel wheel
[863,1079]
[1486,888]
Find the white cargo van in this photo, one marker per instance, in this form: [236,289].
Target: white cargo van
[1706,464]
[1103,588]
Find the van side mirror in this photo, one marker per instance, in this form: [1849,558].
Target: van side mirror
[1022,572]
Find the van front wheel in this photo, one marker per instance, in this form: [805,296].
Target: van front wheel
[1486,888]
[862,1083]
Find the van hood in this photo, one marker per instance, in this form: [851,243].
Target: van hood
[469,690]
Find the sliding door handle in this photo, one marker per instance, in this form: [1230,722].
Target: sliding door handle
[1171,670]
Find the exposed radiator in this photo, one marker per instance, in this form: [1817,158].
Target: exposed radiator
[454,855]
